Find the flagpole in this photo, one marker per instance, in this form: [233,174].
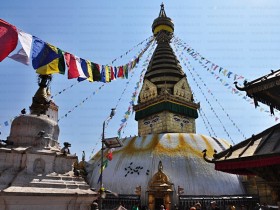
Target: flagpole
[102,190]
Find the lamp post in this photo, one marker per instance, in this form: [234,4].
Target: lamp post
[102,153]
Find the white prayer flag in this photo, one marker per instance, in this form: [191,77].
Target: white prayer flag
[23,55]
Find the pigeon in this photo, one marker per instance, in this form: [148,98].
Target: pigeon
[23,111]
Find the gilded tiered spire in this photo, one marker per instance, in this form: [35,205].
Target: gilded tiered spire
[163,24]
[165,103]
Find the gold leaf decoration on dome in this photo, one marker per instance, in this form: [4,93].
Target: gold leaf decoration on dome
[171,145]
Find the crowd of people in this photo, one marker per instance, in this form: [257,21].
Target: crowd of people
[197,206]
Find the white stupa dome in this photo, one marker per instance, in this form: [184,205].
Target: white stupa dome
[181,155]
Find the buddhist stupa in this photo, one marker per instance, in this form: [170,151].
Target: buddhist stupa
[165,160]
[35,173]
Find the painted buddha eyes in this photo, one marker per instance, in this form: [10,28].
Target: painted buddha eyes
[178,119]
[147,122]
[155,118]
[185,120]
[151,121]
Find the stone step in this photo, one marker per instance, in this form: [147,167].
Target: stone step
[66,178]
[58,185]
[59,181]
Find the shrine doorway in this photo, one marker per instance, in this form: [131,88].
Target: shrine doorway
[160,190]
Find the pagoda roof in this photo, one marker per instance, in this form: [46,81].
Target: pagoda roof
[258,155]
[264,89]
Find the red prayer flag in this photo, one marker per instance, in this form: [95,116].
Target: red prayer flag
[109,156]
[112,73]
[8,39]
[120,73]
[73,71]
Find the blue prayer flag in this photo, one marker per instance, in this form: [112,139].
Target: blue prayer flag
[42,53]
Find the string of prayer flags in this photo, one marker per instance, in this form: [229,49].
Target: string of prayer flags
[50,53]
[149,38]
[108,157]
[210,92]
[82,102]
[8,39]
[208,102]
[207,63]
[48,59]
[134,94]
[224,72]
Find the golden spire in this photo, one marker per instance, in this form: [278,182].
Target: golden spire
[162,12]
[162,23]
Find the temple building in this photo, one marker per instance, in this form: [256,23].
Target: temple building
[35,172]
[164,164]
[257,157]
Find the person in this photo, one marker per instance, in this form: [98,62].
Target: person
[192,208]
[65,150]
[162,207]
[214,206]
[232,207]
[135,207]
[197,206]
[257,207]
[121,208]
[94,206]
[243,207]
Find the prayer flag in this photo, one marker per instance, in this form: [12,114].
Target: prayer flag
[89,69]
[84,67]
[125,69]
[115,72]
[61,62]
[120,73]
[109,156]
[95,72]
[107,74]
[43,53]
[103,74]
[23,55]
[8,39]
[73,71]
[99,179]
[79,63]
[55,66]
[228,74]
[112,73]
[26,41]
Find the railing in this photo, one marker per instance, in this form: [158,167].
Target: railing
[244,202]
[127,201]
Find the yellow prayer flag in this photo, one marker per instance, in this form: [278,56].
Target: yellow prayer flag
[50,68]
[107,74]
[90,78]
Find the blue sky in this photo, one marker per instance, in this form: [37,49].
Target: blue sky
[241,36]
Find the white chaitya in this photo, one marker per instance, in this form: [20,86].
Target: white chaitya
[34,173]
[181,155]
